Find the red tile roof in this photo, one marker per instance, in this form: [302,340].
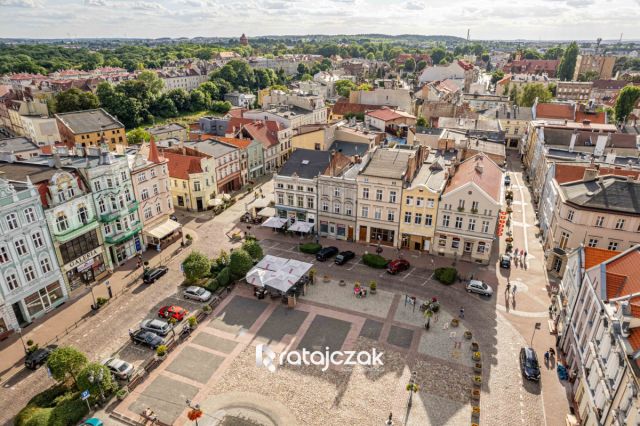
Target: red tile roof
[555,111]
[634,338]
[342,108]
[237,112]
[238,143]
[597,117]
[489,180]
[265,132]
[235,123]
[385,114]
[595,256]
[154,157]
[571,173]
[623,275]
[181,166]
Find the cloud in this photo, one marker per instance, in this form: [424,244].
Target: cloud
[414,5]
[147,5]
[20,3]
[99,3]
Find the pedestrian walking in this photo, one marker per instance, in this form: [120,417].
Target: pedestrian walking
[546,357]
[513,291]
[552,352]
[461,312]
[508,287]
[525,255]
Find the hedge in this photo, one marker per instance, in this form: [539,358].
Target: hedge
[212,285]
[224,277]
[446,275]
[55,406]
[374,261]
[310,248]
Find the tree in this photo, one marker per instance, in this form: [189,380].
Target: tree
[344,87]
[253,248]
[554,53]
[625,103]
[138,135]
[153,82]
[302,69]
[196,266]
[75,99]
[568,62]
[496,76]
[370,56]
[589,76]
[65,362]
[365,86]
[180,99]
[89,379]
[199,100]
[164,107]
[306,77]
[531,91]
[220,107]
[410,65]
[240,263]
[438,54]
[211,89]
[421,65]
[421,122]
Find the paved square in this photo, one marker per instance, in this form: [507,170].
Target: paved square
[400,336]
[242,311]
[371,329]
[214,342]
[165,397]
[325,331]
[195,364]
[281,322]
[333,294]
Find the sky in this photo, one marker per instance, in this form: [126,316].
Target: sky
[511,19]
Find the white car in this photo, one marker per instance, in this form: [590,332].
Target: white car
[121,369]
[197,293]
[476,286]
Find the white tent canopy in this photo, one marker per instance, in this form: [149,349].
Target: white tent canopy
[299,226]
[259,203]
[215,202]
[277,272]
[163,229]
[267,212]
[274,222]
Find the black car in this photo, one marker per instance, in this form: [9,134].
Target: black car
[344,257]
[505,261]
[529,364]
[326,253]
[38,357]
[151,275]
[507,180]
[145,337]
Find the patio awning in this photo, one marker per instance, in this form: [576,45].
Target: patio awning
[163,229]
[274,222]
[277,273]
[259,203]
[215,202]
[299,226]
[267,212]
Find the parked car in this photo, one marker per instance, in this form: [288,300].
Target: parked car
[344,257]
[147,338]
[173,311]
[398,265]
[197,293]
[477,286]
[507,180]
[38,357]
[120,369]
[529,364]
[505,261]
[151,275]
[161,328]
[326,253]
[93,421]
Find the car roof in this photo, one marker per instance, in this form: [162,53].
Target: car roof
[475,282]
[193,288]
[94,421]
[155,322]
[530,353]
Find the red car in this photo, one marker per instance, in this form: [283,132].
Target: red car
[173,312]
[397,265]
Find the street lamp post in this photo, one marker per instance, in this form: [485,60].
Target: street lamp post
[19,330]
[98,381]
[93,296]
[535,327]
[195,412]
[412,387]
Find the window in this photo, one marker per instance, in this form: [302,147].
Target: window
[455,242]
[147,213]
[289,199]
[391,216]
[280,199]
[599,221]
[472,225]
[29,273]
[152,171]
[62,223]
[279,185]
[309,188]
[4,255]
[336,192]
[141,177]
[347,210]
[442,241]
[620,224]
[75,248]
[431,202]
[156,191]
[107,229]
[310,203]
[409,200]
[428,220]
[419,201]
[445,220]
[83,214]
[12,281]
[593,242]
[101,206]
[97,186]
[461,204]
[570,215]
[325,206]
[458,222]
[407,217]
[336,208]
[474,206]
[613,245]
[378,194]
[37,240]
[564,240]
[123,176]
[418,219]
[300,201]
[196,186]
[289,186]
[300,188]
[377,214]
[45,265]
[30,214]
[158,210]
[109,183]
[481,247]
[12,221]
[485,226]
[365,193]
[392,196]
[365,211]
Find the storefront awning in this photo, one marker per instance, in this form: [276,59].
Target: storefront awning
[259,203]
[299,226]
[274,222]
[215,202]
[267,212]
[163,229]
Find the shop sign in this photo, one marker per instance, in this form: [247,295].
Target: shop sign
[86,265]
[83,260]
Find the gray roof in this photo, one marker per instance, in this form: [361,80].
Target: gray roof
[214,148]
[171,127]
[350,148]
[388,163]
[18,144]
[513,113]
[587,138]
[19,171]
[89,121]
[306,163]
[429,130]
[614,194]
[487,125]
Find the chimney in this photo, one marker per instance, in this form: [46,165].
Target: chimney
[586,122]
[590,173]
[572,143]
[479,167]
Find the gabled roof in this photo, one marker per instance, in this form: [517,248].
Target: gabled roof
[343,107]
[386,114]
[265,132]
[181,166]
[559,111]
[613,194]
[238,143]
[306,163]
[623,274]
[89,121]
[575,172]
[480,170]
[609,84]
[594,256]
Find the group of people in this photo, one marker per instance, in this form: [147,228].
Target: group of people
[511,289]
[550,354]
[149,415]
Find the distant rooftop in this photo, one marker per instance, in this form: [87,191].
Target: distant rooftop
[349,149]
[388,163]
[306,163]
[158,130]
[17,145]
[89,121]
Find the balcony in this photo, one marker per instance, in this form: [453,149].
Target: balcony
[123,236]
[110,217]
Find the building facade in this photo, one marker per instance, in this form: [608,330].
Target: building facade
[91,128]
[193,179]
[338,192]
[599,64]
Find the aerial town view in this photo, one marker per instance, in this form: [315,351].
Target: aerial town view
[345,212]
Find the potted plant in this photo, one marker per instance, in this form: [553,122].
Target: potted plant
[475,411]
[122,393]
[477,380]
[161,352]
[475,346]
[206,309]
[509,239]
[475,393]
[476,356]
[356,285]
[192,321]
[467,335]
[326,279]
[189,239]
[455,322]
[477,367]
[342,283]
[372,287]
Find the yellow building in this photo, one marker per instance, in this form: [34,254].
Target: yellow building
[88,128]
[311,136]
[419,211]
[192,179]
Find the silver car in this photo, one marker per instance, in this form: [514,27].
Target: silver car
[476,286]
[197,293]
[121,369]
[161,328]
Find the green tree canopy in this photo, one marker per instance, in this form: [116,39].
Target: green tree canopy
[410,65]
[344,87]
[254,249]
[438,54]
[196,266]
[240,263]
[421,65]
[65,362]
[531,91]
[627,99]
[554,53]
[153,82]
[138,136]
[568,62]
[75,99]
[93,371]
[589,76]
[496,76]
[221,107]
